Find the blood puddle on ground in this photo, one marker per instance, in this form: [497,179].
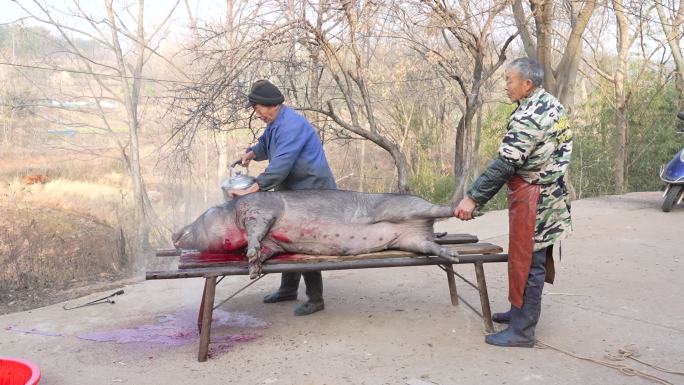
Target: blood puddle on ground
[180,328]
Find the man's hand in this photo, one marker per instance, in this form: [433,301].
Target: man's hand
[239,193]
[246,158]
[464,210]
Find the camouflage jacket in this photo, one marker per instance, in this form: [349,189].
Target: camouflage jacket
[538,143]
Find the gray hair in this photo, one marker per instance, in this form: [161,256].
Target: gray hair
[528,69]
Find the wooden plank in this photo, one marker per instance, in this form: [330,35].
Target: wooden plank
[236,269]
[168,252]
[453,239]
[195,260]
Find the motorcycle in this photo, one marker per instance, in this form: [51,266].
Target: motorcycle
[673,175]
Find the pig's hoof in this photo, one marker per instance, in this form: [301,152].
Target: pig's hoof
[253,255]
[254,271]
[448,255]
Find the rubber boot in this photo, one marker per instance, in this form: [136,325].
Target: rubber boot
[289,284]
[502,318]
[523,321]
[520,331]
[314,290]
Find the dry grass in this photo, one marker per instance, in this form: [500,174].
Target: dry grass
[102,203]
[61,234]
[43,248]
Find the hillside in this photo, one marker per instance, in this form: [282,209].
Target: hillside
[45,252]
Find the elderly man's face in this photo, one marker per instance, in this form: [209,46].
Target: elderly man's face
[266,113]
[516,87]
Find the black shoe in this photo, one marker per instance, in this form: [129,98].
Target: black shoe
[502,318]
[279,297]
[309,308]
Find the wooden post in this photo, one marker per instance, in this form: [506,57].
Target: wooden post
[452,284]
[207,312]
[484,297]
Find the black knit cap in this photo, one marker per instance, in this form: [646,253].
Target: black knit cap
[264,92]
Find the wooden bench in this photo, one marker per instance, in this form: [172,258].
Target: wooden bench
[212,266]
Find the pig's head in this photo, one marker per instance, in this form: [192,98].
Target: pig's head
[215,230]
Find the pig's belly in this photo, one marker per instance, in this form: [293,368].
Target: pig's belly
[335,238]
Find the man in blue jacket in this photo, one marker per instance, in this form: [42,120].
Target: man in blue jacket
[296,162]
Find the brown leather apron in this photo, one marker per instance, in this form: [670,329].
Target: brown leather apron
[522,217]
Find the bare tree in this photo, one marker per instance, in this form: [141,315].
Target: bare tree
[559,79]
[346,58]
[119,79]
[629,20]
[624,41]
[224,59]
[469,57]
[672,21]
[313,46]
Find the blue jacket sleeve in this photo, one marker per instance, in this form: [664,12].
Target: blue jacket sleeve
[288,142]
[260,149]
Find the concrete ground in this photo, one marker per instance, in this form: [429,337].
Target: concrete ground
[619,282]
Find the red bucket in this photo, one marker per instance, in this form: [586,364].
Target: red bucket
[14,371]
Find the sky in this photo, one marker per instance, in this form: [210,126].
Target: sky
[155,11]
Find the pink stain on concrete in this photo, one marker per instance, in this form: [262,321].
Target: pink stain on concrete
[180,328]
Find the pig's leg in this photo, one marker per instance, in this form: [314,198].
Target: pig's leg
[257,227]
[427,247]
[397,211]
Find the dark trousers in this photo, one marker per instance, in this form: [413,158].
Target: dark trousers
[289,284]
[535,279]
[524,320]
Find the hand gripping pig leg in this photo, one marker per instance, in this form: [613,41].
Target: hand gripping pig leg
[257,227]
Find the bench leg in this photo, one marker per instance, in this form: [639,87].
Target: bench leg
[200,313]
[206,312]
[484,297]
[452,284]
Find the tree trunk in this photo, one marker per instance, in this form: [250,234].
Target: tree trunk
[543,16]
[620,142]
[131,94]
[402,171]
[475,161]
[561,81]
[672,26]
[314,72]
[223,136]
[620,133]
[462,154]
[205,182]
[362,165]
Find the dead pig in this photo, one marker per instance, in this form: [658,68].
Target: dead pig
[316,222]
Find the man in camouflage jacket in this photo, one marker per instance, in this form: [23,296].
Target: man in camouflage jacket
[532,160]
